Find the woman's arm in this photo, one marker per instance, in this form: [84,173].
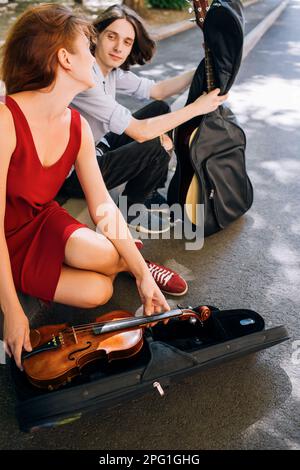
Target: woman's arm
[172,86]
[16,326]
[110,221]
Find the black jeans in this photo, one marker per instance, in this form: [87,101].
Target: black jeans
[142,166]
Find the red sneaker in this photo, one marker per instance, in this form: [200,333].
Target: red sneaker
[167,280]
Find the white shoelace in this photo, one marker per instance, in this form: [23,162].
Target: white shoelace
[159,274]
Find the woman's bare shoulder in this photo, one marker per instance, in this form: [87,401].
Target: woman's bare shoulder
[5,114]
[86,129]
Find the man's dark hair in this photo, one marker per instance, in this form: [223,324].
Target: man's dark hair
[143,47]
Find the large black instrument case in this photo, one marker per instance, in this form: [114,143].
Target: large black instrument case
[169,352]
[210,149]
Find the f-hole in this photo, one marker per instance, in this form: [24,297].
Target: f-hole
[70,356]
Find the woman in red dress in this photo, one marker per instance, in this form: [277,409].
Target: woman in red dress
[44,251]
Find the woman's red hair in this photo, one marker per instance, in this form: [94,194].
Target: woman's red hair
[29,54]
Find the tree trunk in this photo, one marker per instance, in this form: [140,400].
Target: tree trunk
[136,5]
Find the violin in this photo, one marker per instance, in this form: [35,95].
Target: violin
[59,352]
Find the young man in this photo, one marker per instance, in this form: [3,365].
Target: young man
[132,148]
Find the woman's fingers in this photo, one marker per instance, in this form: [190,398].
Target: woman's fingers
[161,301]
[148,307]
[157,309]
[17,351]
[27,344]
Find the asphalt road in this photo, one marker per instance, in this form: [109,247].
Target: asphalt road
[184,51]
[252,402]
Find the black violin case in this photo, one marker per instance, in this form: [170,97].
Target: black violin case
[169,353]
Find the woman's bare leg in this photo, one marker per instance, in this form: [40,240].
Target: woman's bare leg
[89,250]
[85,289]
[90,266]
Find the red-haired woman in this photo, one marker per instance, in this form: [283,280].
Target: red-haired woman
[44,251]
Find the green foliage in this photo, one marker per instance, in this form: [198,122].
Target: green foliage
[170,4]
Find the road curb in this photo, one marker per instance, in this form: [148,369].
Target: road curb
[171,30]
[250,42]
[257,33]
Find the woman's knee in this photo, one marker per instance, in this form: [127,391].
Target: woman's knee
[99,291]
[109,255]
[83,289]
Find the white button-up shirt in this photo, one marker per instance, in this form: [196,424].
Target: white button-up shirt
[99,106]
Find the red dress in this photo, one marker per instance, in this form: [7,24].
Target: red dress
[36,227]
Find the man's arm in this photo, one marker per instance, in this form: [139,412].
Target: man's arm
[147,129]
[171,86]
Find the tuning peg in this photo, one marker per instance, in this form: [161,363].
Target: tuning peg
[192,20]
[189,2]
[191,9]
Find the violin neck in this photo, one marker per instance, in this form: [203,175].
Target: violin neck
[131,323]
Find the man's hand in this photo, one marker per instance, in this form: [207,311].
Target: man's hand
[209,102]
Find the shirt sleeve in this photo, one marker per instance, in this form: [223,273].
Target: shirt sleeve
[129,83]
[95,103]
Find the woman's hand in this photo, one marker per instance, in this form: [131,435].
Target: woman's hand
[16,335]
[209,102]
[152,298]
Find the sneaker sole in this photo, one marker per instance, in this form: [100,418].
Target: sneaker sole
[142,229]
[177,294]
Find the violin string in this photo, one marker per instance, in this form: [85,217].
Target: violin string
[99,324]
[91,326]
[85,328]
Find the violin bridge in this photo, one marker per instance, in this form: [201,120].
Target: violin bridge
[75,336]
